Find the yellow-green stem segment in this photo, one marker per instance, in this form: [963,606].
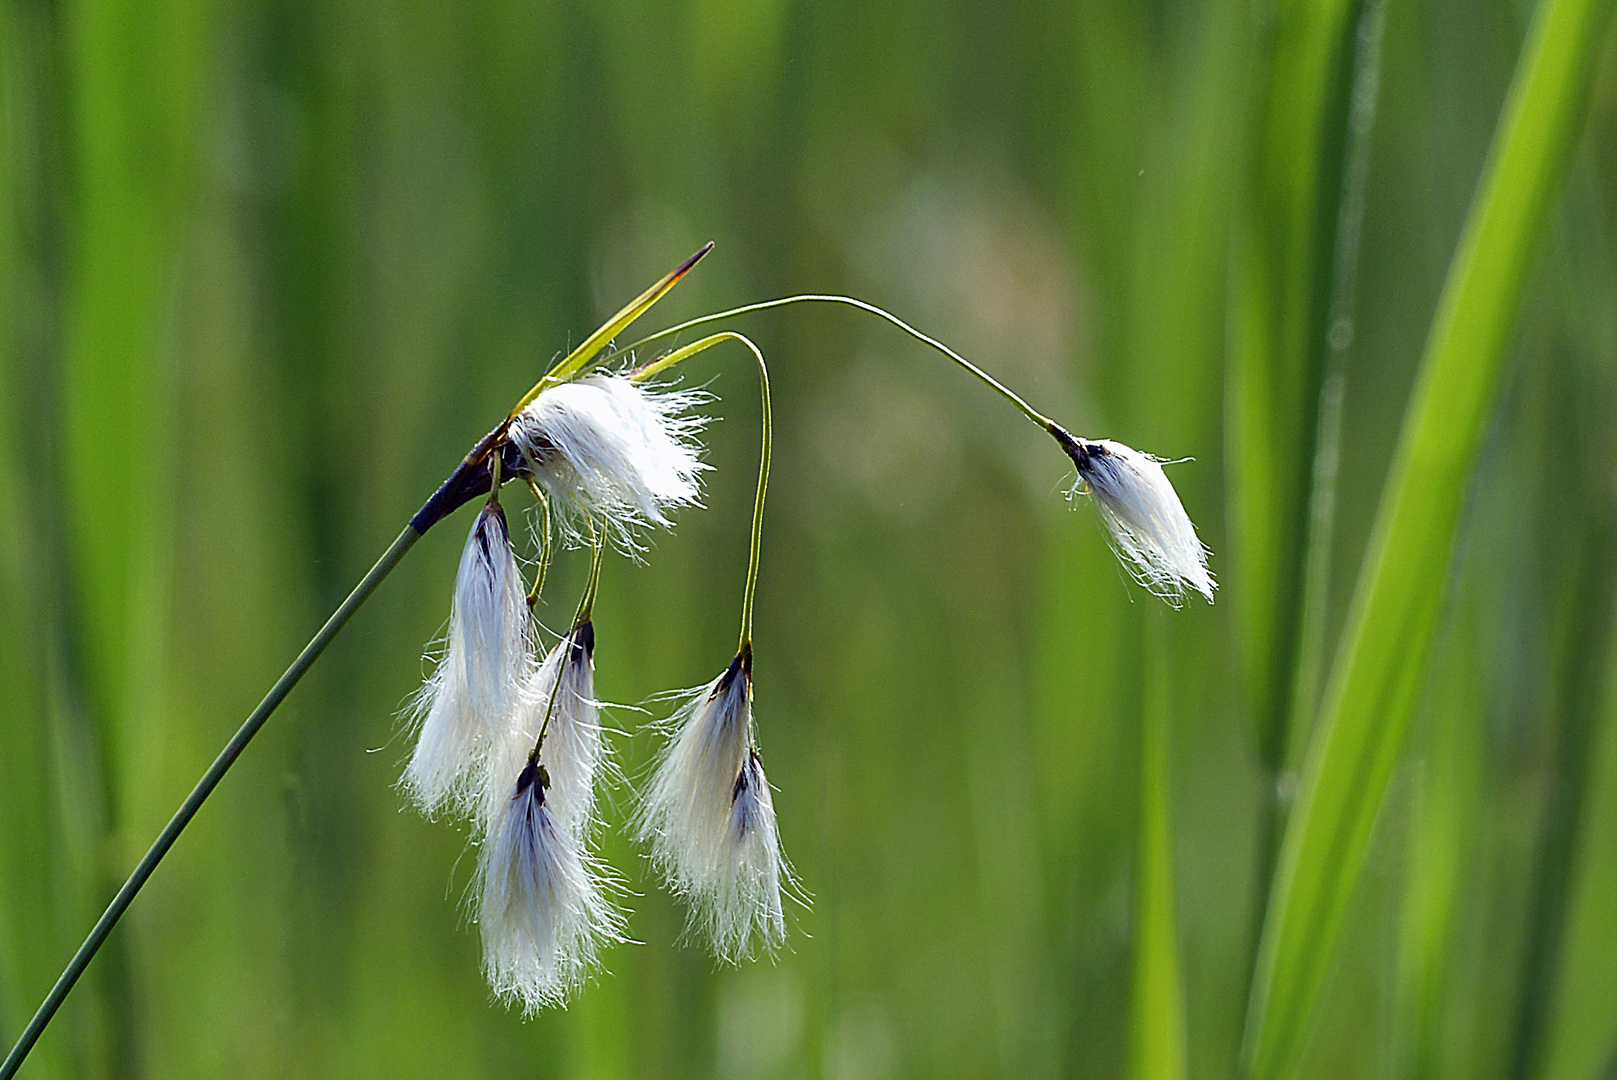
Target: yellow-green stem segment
[544,543]
[586,605]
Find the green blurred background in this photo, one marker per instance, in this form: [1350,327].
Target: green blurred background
[267,269]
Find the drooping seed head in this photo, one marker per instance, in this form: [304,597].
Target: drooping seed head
[541,904]
[1146,522]
[469,695]
[709,819]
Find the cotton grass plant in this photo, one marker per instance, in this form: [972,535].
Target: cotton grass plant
[508,734]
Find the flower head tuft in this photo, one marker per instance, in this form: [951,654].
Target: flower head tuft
[709,820]
[613,449]
[541,904]
[1148,524]
[475,685]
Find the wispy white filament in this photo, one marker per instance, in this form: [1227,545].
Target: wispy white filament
[1146,520]
[615,450]
[574,753]
[541,908]
[472,691]
[709,820]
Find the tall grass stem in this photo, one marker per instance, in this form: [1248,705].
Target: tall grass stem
[199,794]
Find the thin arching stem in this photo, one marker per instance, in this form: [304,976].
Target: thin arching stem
[663,363]
[765,448]
[827,298]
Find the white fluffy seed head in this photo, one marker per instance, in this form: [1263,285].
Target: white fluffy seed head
[709,820]
[1147,522]
[473,689]
[541,902]
[574,753]
[615,450]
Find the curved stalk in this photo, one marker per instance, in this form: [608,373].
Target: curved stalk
[496,462]
[830,298]
[663,363]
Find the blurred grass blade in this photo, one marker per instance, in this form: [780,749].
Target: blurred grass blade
[1568,991]
[1371,694]
[1581,1040]
[34,840]
[1283,248]
[1284,244]
[127,95]
[1448,797]
[1157,1001]
[1311,650]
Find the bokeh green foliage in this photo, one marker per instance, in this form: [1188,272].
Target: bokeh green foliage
[266,270]
[1386,643]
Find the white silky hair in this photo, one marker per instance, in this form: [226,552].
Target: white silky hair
[475,686]
[574,753]
[541,902]
[1147,522]
[608,448]
[755,869]
[709,819]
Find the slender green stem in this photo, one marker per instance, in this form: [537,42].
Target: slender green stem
[586,606]
[199,794]
[825,298]
[544,543]
[765,449]
[663,363]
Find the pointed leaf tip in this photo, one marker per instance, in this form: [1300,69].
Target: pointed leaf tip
[581,356]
